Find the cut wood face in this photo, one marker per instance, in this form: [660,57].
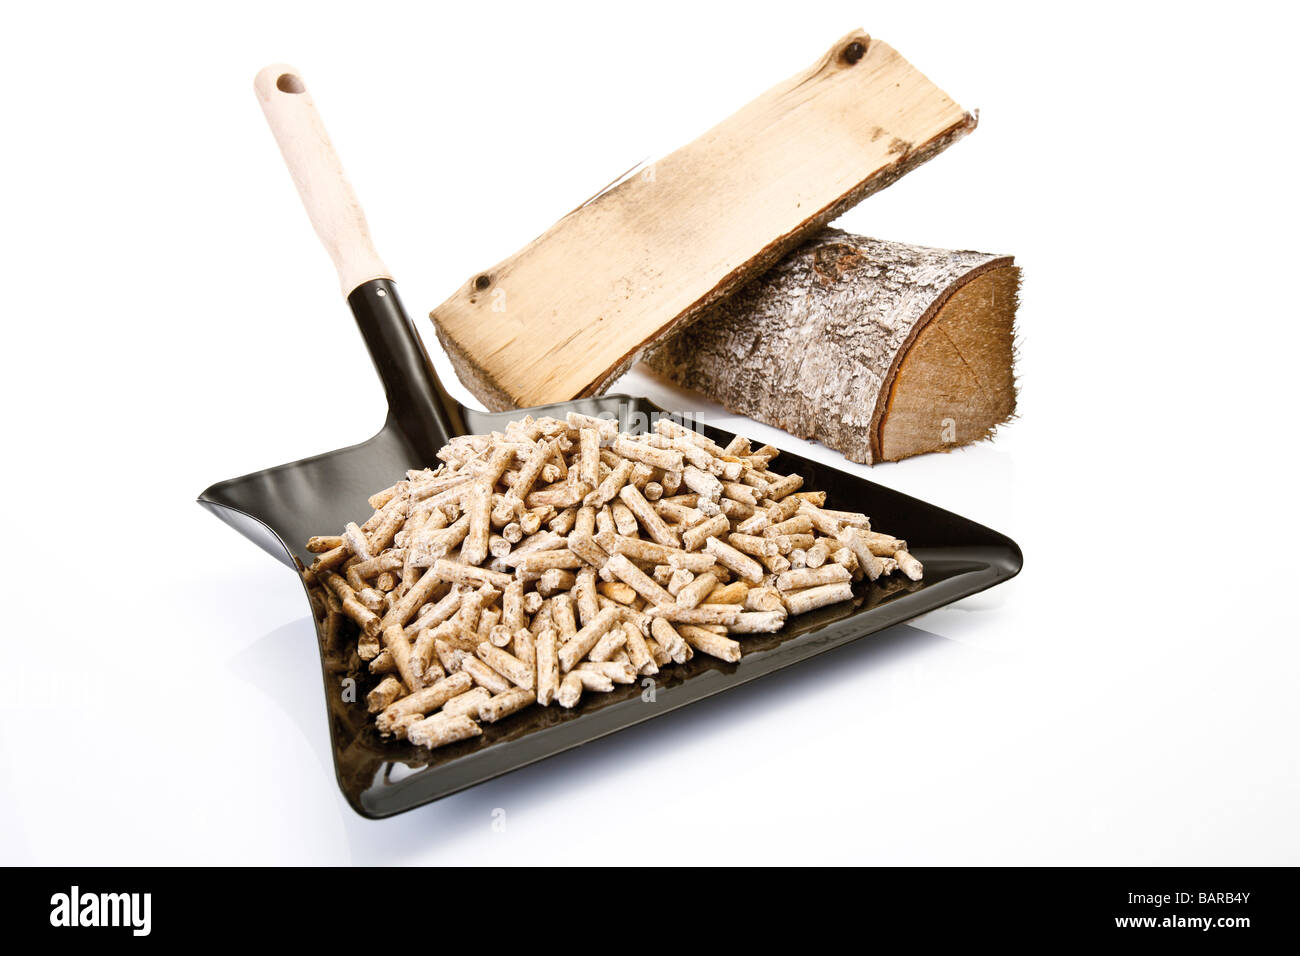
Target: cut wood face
[956,383]
[572,310]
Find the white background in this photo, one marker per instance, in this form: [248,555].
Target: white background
[170,320]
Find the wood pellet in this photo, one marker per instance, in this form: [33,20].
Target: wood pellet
[559,558]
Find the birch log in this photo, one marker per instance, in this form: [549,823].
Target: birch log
[878,349]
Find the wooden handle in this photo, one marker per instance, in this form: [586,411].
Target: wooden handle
[326,193]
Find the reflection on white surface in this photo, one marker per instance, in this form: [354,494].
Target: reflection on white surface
[285,666]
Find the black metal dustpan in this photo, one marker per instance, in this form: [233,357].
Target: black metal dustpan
[281,507]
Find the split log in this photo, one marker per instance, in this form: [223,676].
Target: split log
[571,311]
[878,349]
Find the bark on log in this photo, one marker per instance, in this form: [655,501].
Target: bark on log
[878,349]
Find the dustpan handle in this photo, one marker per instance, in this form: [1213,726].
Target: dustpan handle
[418,404]
[327,195]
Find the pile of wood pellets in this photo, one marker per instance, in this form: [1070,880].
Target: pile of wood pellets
[560,558]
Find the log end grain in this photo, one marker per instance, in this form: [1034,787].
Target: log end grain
[956,384]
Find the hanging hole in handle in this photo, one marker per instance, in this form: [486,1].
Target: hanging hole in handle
[288,83]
